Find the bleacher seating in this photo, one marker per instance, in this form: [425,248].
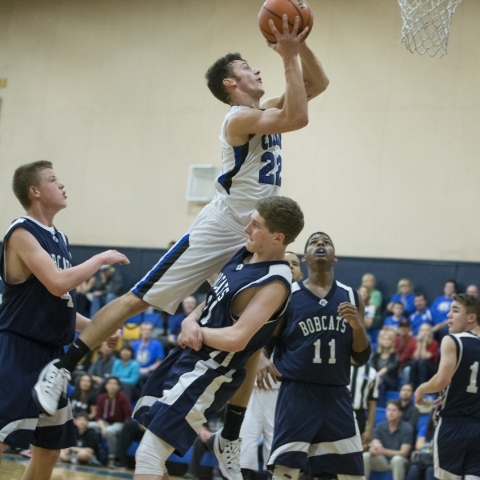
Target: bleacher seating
[380,475]
[380,415]
[392,395]
[154,318]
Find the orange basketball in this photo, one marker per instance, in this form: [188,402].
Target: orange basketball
[274,9]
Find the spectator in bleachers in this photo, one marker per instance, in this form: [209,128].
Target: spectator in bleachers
[405,295]
[405,346]
[113,410]
[425,357]
[131,431]
[127,369]
[148,352]
[410,412]
[200,447]
[364,389]
[175,321]
[84,452]
[84,397]
[369,309]
[108,287]
[421,315]
[376,298]
[385,362]
[102,367]
[440,308]
[391,444]
[82,291]
[393,321]
[421,464]
[472,290]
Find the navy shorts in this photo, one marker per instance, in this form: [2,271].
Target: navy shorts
[316,430]
[456,448]
[21,423]
[182,394]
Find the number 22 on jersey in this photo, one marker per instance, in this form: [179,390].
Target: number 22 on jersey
[271,172]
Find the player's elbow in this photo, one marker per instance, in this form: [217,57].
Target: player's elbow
[300,121]
[236,346]
[57,289]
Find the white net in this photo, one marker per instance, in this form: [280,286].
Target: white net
[426,25]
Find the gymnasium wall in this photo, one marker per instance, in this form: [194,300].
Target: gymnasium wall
[112,91]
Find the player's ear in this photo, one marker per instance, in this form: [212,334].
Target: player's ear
[335,258]
[229,82]
[33,191]
[280,237]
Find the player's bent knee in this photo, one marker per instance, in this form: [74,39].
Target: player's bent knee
[285,473]
[151,455]
[133,303]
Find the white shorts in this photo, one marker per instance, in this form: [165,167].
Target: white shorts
[212,240]
[259,422]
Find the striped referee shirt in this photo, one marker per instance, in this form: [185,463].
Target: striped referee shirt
[363,386]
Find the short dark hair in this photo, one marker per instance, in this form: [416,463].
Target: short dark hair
[452,281]
[282,215]
[127,347]
[27,176]
[220,70]
[394,402]
[83,414]
[316,234]
[113,377]
[471,303]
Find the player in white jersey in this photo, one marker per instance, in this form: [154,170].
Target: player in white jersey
[251,171]
[456,452]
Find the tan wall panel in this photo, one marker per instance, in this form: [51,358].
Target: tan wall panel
[113,92]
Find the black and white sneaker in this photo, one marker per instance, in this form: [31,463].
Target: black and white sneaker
[51,385]
[228,457]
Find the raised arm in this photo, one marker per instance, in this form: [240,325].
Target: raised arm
[315,79]
[293,114]
[25,256]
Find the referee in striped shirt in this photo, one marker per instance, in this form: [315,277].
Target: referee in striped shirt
[364,389]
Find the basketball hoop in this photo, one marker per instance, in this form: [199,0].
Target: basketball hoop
[426,25]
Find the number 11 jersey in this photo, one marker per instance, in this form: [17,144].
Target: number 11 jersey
[316,343]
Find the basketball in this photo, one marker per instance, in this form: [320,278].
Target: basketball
[274,9]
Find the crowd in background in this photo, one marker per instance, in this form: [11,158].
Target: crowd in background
[405,333]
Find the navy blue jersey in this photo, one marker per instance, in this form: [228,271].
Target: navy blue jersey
[462,397]
[29,309]
[234,278]
[316,344]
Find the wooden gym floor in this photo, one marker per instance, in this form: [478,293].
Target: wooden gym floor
[13,467]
